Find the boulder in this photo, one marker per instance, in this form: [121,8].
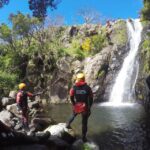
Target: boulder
[34,104]
[6,117]
[12,108]
[60,131]
[41,123]
[12,94]
[57,130]
[7,101]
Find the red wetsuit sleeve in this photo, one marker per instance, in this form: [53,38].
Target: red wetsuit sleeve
[29,94]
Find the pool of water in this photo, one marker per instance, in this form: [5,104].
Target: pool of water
[110,127]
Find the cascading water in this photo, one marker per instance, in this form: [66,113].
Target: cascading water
[123,88]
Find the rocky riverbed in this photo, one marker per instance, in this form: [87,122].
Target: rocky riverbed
[43,134]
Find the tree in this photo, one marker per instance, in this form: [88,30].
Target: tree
[3,2]
[90,15]
[38,7]
[146,10]
[24,27]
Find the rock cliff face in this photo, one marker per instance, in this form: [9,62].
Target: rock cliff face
[100,69]
[142,89]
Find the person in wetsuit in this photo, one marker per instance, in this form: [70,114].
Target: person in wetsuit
[82,99]
[22,103]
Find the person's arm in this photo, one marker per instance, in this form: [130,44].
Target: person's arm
[30,94]
[72,96]
[18,101]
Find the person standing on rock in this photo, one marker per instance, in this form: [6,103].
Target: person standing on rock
[22,103]
[82,99]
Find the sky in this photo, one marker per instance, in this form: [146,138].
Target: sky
[114,9]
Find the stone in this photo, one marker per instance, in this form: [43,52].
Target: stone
[13,109]
[56,130]
[6,117]
[7,101]
[34,104]
[12,94]
[42,122]
[60,131]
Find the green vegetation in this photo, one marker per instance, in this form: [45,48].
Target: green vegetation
[38,7]
[75,50]
[146,10]
[146,55]
[86,147]
[7,81]
[97,43]
[100,74]
[30,40]
[27,37]
[120,33]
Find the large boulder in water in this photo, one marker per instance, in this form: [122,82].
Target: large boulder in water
[60,131]
[57,130]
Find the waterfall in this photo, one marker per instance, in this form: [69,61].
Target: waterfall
[123,88]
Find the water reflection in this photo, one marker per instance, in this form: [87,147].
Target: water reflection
[112,128]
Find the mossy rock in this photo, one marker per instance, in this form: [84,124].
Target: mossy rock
[119,35]
[141,97]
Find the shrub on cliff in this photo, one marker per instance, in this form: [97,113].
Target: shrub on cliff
[146,55]
[97,43]
[75,50]
[86,44]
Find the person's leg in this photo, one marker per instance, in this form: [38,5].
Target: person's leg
[71,120]
[85,117]
[25,119]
